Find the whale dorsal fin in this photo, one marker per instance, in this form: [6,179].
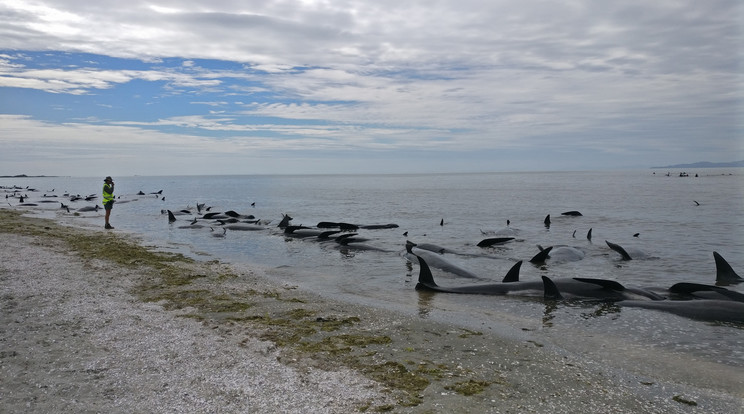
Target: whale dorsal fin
[551,291]
[724,272]
[513,274]
[542,256]
[425,277]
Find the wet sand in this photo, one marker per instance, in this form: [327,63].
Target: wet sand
[94,322]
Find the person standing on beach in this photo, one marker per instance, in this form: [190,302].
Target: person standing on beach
[108,198]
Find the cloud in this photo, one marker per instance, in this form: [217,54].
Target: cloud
[84,80]
[571,77]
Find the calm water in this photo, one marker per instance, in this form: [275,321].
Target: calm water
[676,235]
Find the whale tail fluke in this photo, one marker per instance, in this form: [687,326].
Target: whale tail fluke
[725,274]
[285,221]
[409,247]
[619,249]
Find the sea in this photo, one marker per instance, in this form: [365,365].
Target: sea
[671,223]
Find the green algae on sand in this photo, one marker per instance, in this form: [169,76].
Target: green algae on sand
[211,293]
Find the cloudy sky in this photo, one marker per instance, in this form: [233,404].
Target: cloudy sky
[348,86]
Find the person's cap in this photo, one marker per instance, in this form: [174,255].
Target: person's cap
[107,179]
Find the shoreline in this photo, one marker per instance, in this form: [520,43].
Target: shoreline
[96,322]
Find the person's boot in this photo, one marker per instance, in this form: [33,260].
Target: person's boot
[109,227]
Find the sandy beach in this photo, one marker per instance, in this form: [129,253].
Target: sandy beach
[92,321]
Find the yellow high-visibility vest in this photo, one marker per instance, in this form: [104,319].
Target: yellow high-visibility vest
[108,194]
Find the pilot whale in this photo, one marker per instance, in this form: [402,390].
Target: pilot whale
[627,254]
[588,288]
[576,288]
[687,290]
[89,208]
[437,260]
[494,241]
[426,282]
[558,254]
[710,310]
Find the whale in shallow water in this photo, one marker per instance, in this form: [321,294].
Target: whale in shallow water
[710,310]
[436,260]
[244,227]
[354,227]
[687,290]
[493,241]
[337,225]
[562,254]
[215,216]
[433,248]
[352,241]
[89,208]
[627,254]
[588,288]
[236,215]
[302,232]
[576,288]
[572,213]
[558,254]
[426,282]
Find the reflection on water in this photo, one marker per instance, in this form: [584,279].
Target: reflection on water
[603,310]
[425,303]
[548,313]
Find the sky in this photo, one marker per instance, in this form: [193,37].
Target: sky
[182,87]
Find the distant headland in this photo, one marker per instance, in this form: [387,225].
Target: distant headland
[705,164]
[26,176]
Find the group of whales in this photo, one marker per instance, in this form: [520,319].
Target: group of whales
[21,196]
[344,234]
[691,300]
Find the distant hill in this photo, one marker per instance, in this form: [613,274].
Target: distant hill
[705,164]
[25,176]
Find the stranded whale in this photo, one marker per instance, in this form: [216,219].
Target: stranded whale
[437,260]
[710,310]
[576,288]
